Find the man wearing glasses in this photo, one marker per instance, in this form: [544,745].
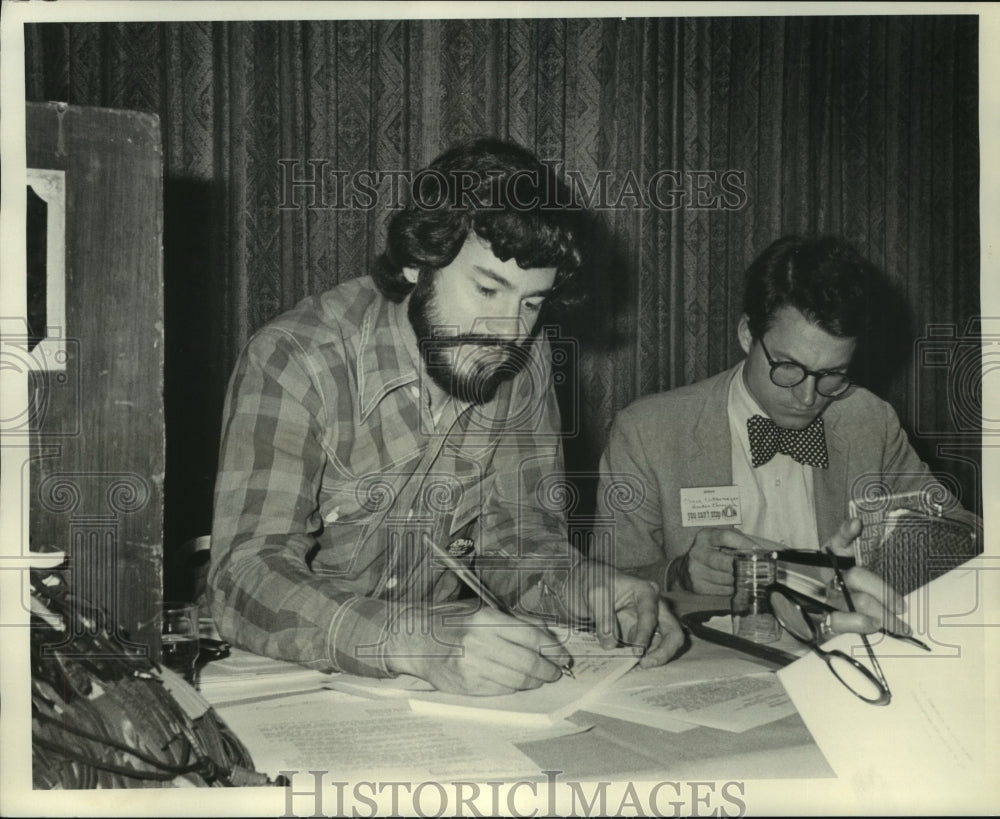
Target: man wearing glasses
[772,447]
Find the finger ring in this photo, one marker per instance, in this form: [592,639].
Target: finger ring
[826,627]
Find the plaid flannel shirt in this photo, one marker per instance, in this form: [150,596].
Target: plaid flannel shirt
[332,470]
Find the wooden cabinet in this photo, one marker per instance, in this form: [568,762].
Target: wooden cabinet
[96,391]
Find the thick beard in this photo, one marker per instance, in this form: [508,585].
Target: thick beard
[438,352]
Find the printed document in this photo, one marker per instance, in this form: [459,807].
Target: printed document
[941,724]
[382,739]
[709,685]
[594,670]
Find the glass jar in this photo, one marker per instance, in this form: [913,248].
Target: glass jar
[753,618]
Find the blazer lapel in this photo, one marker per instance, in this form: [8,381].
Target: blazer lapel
[712,464]
[830,484]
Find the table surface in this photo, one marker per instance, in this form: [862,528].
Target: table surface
[777,750]
[616,749]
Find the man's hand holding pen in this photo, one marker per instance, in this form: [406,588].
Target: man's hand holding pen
[479,647]
[471,648]
[464,647]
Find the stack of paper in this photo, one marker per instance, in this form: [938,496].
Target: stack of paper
[940,730]
[247,676]
[730,704]
[707,686]
[594,670]
[354,739]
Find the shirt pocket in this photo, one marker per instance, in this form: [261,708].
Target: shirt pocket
[471,505]
[351,514]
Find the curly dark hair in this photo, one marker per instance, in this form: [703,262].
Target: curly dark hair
[824,277]
[507,196]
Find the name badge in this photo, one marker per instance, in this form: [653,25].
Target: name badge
[711,506]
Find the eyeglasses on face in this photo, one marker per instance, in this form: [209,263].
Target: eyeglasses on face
[829,383]
[797,614]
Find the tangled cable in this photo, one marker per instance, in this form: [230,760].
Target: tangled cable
[103,718]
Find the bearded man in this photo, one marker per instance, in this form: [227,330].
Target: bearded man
[381,431]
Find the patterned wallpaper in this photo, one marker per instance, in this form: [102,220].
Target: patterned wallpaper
[865,126]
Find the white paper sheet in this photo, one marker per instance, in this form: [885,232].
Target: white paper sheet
[942,723]
[703,661]
[653,717]
[730,704]
[244,675]
[594,670]
[353,738]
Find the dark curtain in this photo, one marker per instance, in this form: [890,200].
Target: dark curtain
[862,126]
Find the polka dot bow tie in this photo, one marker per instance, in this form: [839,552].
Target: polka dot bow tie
[807,446]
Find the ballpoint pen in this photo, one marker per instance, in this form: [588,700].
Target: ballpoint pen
[471,579]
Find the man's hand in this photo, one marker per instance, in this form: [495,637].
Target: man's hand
[464,648]
[876,602]
[707,567]
[625,610]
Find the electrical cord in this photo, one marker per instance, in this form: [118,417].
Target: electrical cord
[104,766]
[105,718]
[121,746]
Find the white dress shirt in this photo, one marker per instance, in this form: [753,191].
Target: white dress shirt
[777,501]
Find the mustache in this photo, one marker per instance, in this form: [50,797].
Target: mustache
[477,339]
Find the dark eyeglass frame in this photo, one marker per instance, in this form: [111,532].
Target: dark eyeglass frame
[819,375]
[807,605]
[209,650]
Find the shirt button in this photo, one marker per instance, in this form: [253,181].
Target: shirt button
[391,583]
[415,391]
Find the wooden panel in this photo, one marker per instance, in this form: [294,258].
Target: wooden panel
[98,456]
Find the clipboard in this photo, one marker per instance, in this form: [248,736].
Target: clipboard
[696,622]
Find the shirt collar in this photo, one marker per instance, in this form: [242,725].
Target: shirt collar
[387,353]
[742,404]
